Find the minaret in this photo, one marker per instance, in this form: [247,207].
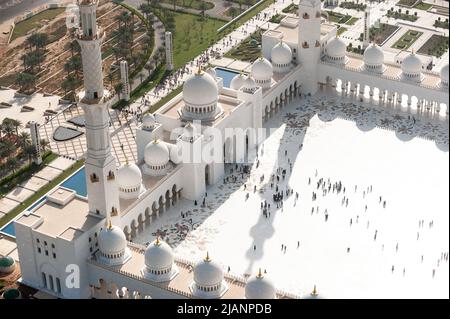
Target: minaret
[100,167]
[169,51]
[366,34]
[309,42]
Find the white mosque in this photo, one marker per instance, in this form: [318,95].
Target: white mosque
[90,238]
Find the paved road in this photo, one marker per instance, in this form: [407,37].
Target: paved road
[9,9]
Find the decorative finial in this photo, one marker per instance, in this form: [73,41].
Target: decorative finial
[155,140]
[109,224]
[260,275]
[157,242]
[199,70]
[314,292]
[412,51]
[207,259]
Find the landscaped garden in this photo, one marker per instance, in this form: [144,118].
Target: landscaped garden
[341,30]
[35,22]
[233,12]
[423,6]
[399,14]
[353,5]
[407,39]
[441,24]
[249,50]
[338,17]
[436,45]
[277,18]
[407,3]
[292,8]
[352,21]
[190,4]
[380,34]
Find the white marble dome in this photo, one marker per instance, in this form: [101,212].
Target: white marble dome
[260,287]
[262,72]
[238,81]
[200,90]
[249,84]
[112,242]
[444,74]
[373,57]
[336,48]
[129,175]
[281,54]
[158,255]
[208,273]
[148,121]
[412,65]
[156,154]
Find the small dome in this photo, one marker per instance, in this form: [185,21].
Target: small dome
[260,287]
[412,65]
[112,241]
[249,84]
[238,81]
[373,56]
[444,74]
[212,72]
[336,48]
[129,175]
[200,90]
[208,273]
[148,121]
[156,154]
[158,255]
[281,54]
[262,70]
[6,262]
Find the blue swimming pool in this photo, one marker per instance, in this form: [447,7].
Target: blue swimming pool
[226,75]
[75,182]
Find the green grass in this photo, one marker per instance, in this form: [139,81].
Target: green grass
[23,27]
[166,99]
[352,21]
[193,34]
[407,40]
[337,17]
[292,8]
[277,18]
[441,24]
[341,30]
[423,6]
[248,50]
[24,173]
[41,192]
[8,79]
[407,3]
[248,16]
[401,16]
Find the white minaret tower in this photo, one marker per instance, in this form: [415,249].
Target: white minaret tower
[36,142]
[309,42]
[366,34]
[169,51]
[100,165]
[124,77]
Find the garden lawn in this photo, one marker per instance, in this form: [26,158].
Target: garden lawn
[23,27]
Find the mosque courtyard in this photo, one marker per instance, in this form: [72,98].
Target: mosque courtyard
[390,240]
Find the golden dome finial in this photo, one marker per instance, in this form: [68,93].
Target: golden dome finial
[207,258]
[157,242]
[199,70]
[314,292]
[155,140]
[109,224]
[260,275]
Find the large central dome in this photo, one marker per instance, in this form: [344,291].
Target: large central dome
[200,90]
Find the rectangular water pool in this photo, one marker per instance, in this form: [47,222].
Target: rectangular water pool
[226,75]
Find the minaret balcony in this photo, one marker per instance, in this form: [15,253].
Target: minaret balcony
[84,37]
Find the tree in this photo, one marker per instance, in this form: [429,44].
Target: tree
[12,164]
[45,145]
[26,81]
[29,151]
[24,139]
[7,149]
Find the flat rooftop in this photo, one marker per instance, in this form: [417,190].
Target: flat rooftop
[289,32]
[67,221]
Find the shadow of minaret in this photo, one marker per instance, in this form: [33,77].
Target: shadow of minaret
[263,229]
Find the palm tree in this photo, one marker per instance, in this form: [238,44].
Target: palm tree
[29,151]
[12,164]
[24,139]
[45,145]
[7,149]
[16,124]
[26,81]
